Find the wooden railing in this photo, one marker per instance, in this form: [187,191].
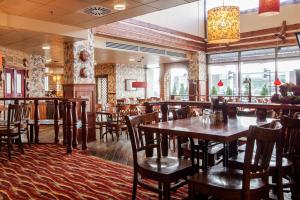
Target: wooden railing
[69,115]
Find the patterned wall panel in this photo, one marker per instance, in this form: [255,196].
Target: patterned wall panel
[197,69]
[37,75]
[124,72]
[108,69]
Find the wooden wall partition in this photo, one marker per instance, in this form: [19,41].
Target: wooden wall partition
[86,91]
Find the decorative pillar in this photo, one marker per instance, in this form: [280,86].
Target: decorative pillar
[80,77]
[35,85]
[197,76]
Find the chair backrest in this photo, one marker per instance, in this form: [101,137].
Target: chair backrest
[182,113]
[141,141]
[259,147]
[25,111]
[13,116]
[290,136]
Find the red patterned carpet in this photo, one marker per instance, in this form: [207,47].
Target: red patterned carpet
[46,172]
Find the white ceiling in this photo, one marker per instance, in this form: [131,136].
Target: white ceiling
[123,57]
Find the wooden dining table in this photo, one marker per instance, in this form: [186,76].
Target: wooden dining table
[200,128]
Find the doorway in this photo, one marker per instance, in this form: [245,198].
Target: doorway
[14,83]
[102,89]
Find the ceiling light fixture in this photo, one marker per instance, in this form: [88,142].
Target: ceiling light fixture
[131,59]
[48,60]
[119,4]
[46,47]
[223,25]
[269,7]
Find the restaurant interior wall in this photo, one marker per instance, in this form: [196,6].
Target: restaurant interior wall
[129,71]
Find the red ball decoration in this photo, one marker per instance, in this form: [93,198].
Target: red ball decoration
[269,7]
[220,83]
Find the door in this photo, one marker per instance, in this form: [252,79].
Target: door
[9,83]
[14,83]
[102,89]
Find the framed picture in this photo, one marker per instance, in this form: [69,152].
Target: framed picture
[298,38]
[128,84]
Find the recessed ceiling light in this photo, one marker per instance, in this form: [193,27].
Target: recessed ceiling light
[119,4]
[46,47]
[131,59]
[48,60]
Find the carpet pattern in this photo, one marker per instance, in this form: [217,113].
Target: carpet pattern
[45,171]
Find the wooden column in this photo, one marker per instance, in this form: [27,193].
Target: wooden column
[69,127]
[36,120]
[84,125]
[74,118]
[56,126]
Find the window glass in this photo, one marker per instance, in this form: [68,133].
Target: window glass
[179,83]
[224,57]
[8,83]
[19,83]
[228,74]
[290,51]
[258,54]
[287,68]
[262,75]
[153,89]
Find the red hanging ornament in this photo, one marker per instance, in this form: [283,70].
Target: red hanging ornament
[220,83]
[269,7]
[277,82]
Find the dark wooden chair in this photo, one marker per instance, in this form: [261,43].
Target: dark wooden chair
[116,124]
[283,175]
[11,131]
[101,124]
[184,146]
[249,183]
[170,173]
[25,118]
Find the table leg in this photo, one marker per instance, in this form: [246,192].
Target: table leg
[205,155]
[164,145]
[226,154]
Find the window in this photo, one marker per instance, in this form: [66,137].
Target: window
[179,83]
[153,89]
[227,73]
[262,74]
[287,68]
[258,65]
[46,83]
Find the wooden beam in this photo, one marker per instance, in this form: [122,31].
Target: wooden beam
[254,46]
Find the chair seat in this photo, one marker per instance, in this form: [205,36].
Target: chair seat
[13,130]
[167,165]
[224,178]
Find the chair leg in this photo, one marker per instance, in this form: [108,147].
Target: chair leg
[160,188]
[166,191]
[134,188]
[21,144]
[9,147]
[1,143]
